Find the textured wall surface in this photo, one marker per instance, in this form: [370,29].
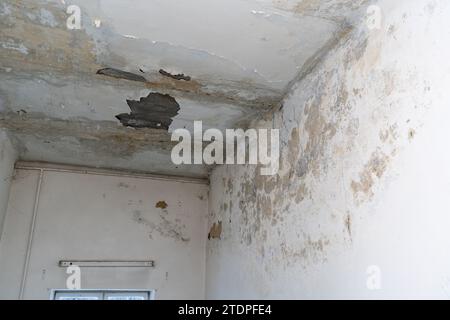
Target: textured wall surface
[364,177]
[7,158]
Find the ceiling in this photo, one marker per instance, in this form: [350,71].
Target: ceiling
[65,95]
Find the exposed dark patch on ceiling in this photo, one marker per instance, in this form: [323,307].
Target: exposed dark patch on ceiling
[174,76]
[116,73]
[154,111]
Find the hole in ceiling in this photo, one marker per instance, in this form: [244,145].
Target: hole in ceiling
[154,111]
[119,74]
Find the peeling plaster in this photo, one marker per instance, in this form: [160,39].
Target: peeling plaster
[223,85]
[154,111]
[175,76]
[343,126]
[119,74]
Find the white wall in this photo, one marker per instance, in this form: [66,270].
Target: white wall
[364,178]
[92,217]
[8,156]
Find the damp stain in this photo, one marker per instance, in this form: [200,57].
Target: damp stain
[161,205]
[163,226]
[154,111]
[348,225]
[119,74]
[411,134]
[174,76]
[216,231]
[372,171]
[123,185]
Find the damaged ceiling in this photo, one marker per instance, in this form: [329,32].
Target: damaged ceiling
[109,94]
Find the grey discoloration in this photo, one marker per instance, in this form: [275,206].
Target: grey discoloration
[309,65]
[411,134]
[66,53]
[123,185]
[217,85]
[310,250]
[358,47]
[116,140]
[174,76]
[119,74]
[300,215]
[82,142]
[154,111]
[47,18]
[339,11]
[164,226]
[390,134]
[348,224]
[14,44]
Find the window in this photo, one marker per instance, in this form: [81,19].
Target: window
[94,294]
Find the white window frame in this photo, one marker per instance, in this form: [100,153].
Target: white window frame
[103,292]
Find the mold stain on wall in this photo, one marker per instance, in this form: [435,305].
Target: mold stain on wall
[164,226]
[161,204]
[35,37]
[331,167]
[373,169]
